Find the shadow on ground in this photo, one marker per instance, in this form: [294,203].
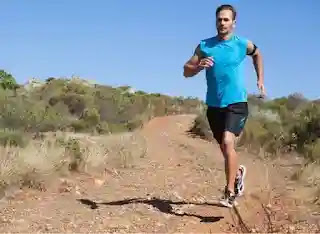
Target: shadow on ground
[162,205]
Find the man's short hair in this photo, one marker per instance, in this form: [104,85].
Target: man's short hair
[227,7]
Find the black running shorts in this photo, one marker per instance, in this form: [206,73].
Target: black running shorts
[231,118]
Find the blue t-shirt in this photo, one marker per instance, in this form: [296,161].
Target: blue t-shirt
[225,79]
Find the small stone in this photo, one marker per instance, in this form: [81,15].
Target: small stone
[5,220]
[20,220]
[47,227]
[98,182]
[64,189]
[292,228]
[177,195]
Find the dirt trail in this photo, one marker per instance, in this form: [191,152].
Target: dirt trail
[174,188]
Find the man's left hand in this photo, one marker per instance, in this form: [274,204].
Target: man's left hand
[261,89]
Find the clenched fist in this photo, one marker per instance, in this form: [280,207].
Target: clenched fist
[206,63]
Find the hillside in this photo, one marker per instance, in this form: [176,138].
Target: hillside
[76,105]
[69,144]
[279,126]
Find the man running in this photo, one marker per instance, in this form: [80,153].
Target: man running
[222,56]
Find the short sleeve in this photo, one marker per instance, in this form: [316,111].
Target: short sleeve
[205,44]
[201,48]
[243,44]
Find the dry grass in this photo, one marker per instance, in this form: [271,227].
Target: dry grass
[60,153]
[23,167]
[115,151]
[308,174]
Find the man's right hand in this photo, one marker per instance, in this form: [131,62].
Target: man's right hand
[196,63]
[206,63]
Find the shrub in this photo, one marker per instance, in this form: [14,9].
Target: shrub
[277,126]
[13,138]
[76,103]
[61,104]
[91,117]
[73,151]
[306,128]
[312,151]
[201,128]
[7,81]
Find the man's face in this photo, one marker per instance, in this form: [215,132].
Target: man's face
[224,22]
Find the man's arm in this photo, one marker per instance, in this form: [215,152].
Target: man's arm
[191,67]
[256,55]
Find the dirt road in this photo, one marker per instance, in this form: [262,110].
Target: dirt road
[174,188]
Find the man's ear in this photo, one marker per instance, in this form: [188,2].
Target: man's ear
[234,24]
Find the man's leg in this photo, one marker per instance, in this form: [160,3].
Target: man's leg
[237,115]
[231,159]
[217,121]
[235,119]
[222,148]
[231,169]
[238,185]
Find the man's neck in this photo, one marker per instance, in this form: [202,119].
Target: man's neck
[224,37]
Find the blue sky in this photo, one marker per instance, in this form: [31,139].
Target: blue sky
[144,43]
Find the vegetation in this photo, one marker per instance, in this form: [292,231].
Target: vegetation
[276,126]
[60,154]
[41,126]
[76,105]
[283,125]
[7,81]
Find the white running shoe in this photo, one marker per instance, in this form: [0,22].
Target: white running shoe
[239,183]
[228,199]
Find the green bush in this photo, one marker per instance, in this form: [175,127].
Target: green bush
[91,117]
[63,104]
[102,128]
[89,120]
[7,81]
[306,128]
[13,138]
[277,126]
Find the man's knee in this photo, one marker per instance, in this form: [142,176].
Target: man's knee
[228,141]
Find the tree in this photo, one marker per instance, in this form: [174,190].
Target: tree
[7,81]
